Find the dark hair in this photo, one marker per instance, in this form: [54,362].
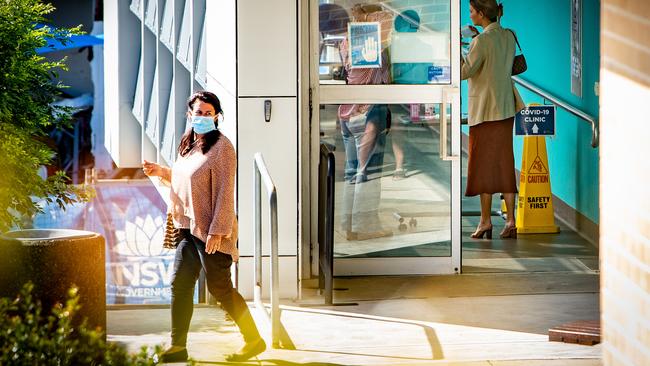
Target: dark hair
[489,8]
[206,141]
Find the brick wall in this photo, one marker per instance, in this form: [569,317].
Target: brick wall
[625,182]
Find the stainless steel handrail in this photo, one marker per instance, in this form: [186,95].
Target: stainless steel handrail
[262,174]
[564,105]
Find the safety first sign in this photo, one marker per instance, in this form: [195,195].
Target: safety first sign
[535,205]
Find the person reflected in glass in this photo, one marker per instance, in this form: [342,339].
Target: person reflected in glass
[202,206]
[406,72]
[333,22]
[493,102]
[363,129]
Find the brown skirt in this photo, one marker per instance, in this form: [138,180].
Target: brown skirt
[491,164]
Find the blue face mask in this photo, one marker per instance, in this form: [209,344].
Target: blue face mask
[202,124]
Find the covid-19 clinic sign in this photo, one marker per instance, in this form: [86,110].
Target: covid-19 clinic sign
[535,120]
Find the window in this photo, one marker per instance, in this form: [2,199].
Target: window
[167,29]
[151,16]
[201,72]
[151,124]
[138,104]
[185,38]
[135,7]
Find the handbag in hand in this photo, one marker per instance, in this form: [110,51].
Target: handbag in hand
[519,63]
[173,236]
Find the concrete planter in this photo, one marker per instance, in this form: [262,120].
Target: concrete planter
[55,260]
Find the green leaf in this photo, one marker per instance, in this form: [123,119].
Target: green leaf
[28,336]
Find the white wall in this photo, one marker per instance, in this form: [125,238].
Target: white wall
[267,69]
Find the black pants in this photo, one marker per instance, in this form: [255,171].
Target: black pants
[190,258]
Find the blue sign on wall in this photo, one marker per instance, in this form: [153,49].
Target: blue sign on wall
[364,44]
[536,120]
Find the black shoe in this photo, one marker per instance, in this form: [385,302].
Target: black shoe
[178,356]
[249,350]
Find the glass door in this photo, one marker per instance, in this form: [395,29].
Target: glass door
[385,78]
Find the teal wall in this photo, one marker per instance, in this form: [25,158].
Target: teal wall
[544,29]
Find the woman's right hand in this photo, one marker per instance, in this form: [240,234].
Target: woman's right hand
[152,169]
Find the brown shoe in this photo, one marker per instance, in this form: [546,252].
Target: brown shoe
[478,234]
[509,232]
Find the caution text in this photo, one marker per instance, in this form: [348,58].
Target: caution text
[538,178]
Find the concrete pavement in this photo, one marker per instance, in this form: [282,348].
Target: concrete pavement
[487,319]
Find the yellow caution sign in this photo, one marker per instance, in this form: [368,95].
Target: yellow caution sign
[535,204]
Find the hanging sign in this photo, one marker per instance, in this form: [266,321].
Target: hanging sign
[535,120]
[364,40]
[576,47]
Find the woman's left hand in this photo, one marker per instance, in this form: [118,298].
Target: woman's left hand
[151,169]
[212,244]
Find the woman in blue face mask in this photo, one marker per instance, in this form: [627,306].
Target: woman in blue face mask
[203,207]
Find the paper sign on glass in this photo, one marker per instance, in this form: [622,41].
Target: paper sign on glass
[364,40]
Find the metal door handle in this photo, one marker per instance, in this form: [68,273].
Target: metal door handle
[455,123]
[267,110]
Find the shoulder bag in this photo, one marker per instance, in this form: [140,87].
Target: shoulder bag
[519,63]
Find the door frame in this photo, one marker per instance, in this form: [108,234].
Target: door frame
[444,94]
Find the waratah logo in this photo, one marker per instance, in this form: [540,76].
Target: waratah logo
[143,238]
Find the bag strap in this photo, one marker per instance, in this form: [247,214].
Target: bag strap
[516,40]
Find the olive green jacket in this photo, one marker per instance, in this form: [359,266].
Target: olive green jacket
[487,67]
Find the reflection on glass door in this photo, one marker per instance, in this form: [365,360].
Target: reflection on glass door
[392,188]
[409,38]
[387,86]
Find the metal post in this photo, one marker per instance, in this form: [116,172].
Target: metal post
[262,175]
[275,281]
[326,223]
[258,240]
[326,194]
[329,230]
